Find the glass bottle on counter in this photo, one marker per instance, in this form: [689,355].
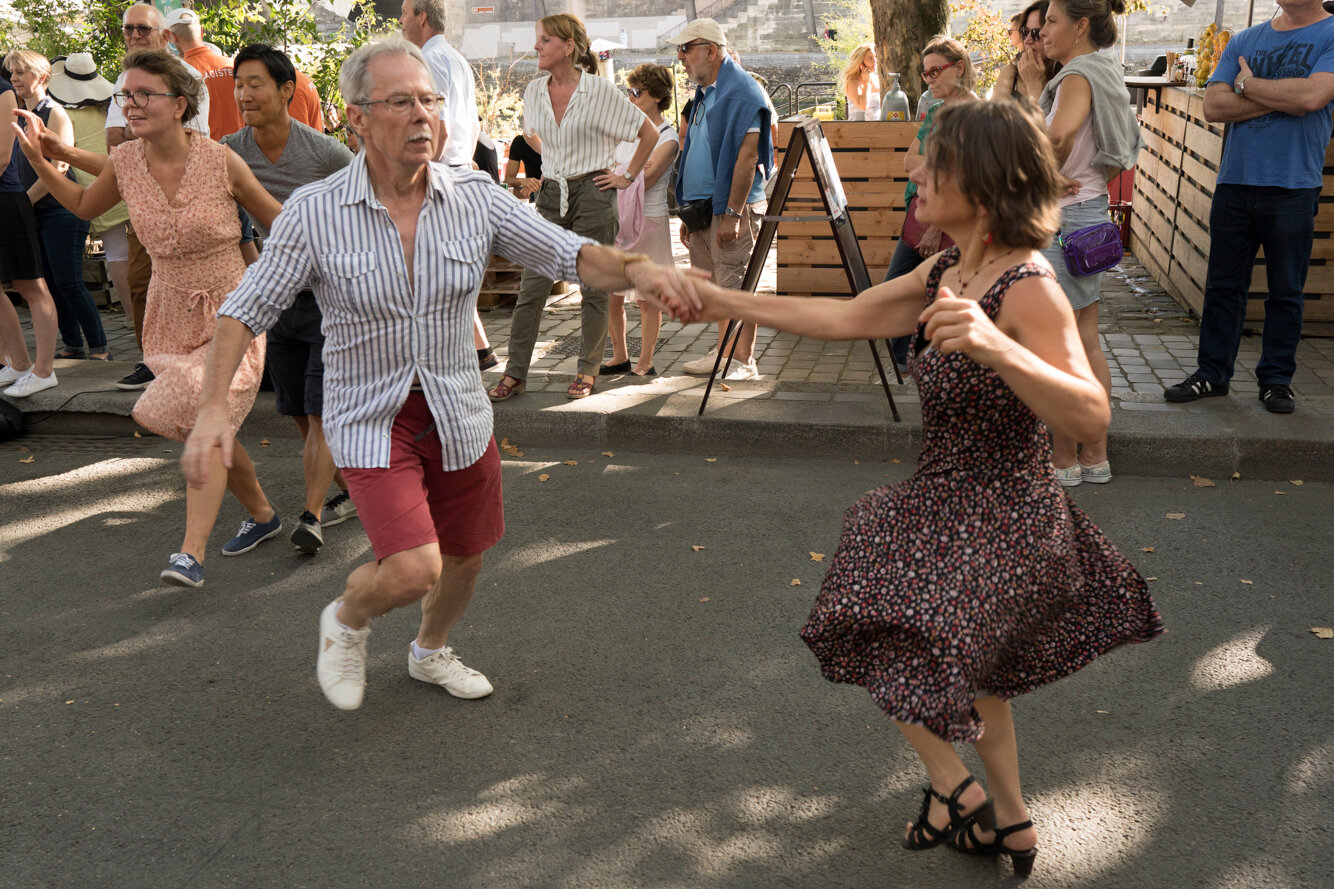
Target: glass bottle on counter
[894,104]
[1188,61]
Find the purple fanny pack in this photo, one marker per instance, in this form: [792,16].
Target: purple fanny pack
[1091,250]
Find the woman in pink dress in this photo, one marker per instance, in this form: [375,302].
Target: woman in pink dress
[182,190]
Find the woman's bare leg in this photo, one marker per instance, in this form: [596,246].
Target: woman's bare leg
[616,329]
[945,770]
[1000,756]
[650,323]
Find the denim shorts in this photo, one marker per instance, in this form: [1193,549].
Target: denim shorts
[1081,291]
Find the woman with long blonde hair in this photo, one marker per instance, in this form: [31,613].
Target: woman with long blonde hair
[860,84]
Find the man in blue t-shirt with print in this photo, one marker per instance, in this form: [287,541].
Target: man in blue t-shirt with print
[1274,85]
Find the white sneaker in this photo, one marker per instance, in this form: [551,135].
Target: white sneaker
[445,669]
[742,370]
[9,376]
[1069,477]
[1097,474]
[30,384]
[701,365]
[341,666]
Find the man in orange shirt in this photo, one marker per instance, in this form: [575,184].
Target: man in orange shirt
[224,117]
[305,104]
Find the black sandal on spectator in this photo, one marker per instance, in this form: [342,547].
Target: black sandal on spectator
[925,835]
[966,841]
[622,368]
[651,372]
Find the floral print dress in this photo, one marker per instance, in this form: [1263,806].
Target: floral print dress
[194,241]
[978,575]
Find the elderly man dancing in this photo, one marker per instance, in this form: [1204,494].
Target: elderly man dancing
[394,248]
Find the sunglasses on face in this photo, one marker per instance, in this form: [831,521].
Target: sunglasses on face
[633,92]
[685,48]
[140,30]
[1031,33]
[931,74]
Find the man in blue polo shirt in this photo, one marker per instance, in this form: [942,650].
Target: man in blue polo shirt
[1274,86]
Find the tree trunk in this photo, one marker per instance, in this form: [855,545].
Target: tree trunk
[901,29]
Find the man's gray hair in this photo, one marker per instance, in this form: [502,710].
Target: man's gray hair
[354,80]
[159,20]
[435,12]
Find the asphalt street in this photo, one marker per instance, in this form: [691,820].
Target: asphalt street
[656,722]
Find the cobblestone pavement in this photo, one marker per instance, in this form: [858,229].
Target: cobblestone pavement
[1149,341]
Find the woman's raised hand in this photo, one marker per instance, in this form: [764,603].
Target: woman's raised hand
[954,324]
[30,140]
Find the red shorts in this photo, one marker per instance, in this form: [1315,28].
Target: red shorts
[415,502]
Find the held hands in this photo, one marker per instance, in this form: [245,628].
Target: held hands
[960,325]
[530,187]
[212,434]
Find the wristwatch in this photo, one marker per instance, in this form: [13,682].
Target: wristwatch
[733,213]
[1240,87]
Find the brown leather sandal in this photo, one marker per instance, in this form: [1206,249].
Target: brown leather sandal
[581,387]
[505,390]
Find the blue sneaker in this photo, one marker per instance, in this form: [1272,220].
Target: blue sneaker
[251,535]
[183,570]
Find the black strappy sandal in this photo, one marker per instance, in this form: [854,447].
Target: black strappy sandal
[966,841]
[925,835]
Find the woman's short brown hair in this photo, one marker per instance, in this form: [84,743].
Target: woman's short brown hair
[1000,158]
[179,81]
[657,79]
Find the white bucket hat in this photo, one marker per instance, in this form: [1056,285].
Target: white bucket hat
[75,82]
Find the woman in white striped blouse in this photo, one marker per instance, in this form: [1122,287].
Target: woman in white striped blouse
[575,119]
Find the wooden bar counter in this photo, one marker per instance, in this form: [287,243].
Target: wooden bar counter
[869,159]
[1174,187]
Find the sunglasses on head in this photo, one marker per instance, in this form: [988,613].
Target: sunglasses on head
[1031,33]
[931,74]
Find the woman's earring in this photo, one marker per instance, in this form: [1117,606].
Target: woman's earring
[986,239]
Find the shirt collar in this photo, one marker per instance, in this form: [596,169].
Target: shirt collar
[357,186]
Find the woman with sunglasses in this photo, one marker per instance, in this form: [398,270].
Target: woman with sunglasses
[182,190]
[948,71]
[978,579]
[1031,69]
[575,119]
[1096,136]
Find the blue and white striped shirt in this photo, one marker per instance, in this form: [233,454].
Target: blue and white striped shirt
[335,238]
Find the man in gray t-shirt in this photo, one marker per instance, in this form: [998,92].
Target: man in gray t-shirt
[285,154]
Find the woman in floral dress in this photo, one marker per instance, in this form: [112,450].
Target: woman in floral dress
[182,190]
[978,579]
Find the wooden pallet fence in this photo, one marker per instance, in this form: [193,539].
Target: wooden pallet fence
[869,159]
[500,284]
[1174,188]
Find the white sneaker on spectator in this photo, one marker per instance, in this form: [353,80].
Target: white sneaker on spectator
[30,384]
[701,365]
[445,669]
[742,370]
[9,376]
[341,666]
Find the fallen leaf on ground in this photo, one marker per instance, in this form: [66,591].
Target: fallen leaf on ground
[705,599]
[543,477]
[137,435]
[1147,549]
[895,460]
[1150,578]
[1176,515]
[608,454]
[27,459]
[817,557]
[263,442]
[571,462]
[710,459]
[1281,493]
[1323,632]
[1251,582]
[1295,481]
[1199,583]
[855,462]
[69,702]
[1202,482]
[696,547]
[725,387]
[796,581]
[1101,711]
[1236,476]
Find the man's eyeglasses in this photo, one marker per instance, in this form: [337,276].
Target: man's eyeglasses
[137,98]
[1030,33]
[931,74]
[141,30]
[687,47]
[633,92]
[403,104]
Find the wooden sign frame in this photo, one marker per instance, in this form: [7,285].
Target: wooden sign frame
[807,140]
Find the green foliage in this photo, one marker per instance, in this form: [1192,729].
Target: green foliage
[851,23]
[60,27]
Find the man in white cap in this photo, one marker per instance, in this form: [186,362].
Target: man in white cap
[224,117]
[726,152]
[142,26]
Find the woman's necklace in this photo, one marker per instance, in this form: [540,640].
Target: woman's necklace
[963,285]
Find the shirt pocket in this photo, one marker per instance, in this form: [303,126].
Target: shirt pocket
[463,263]
[351,277]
